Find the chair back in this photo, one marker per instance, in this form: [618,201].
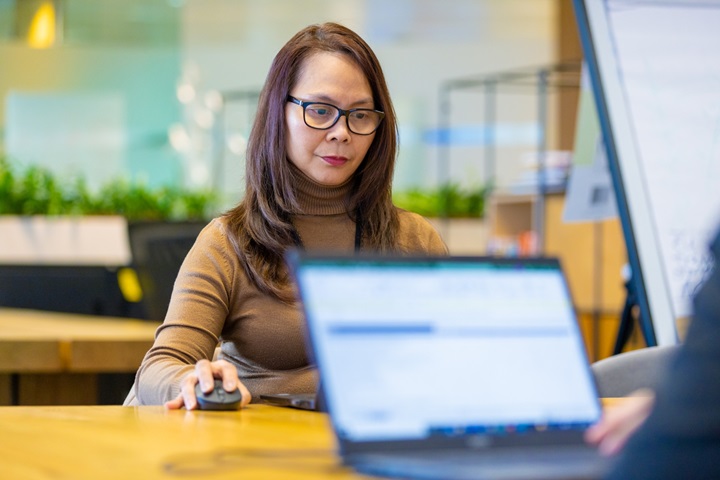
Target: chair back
[158,250]
[622,374]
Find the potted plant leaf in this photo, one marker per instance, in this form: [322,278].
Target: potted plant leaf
[46,221]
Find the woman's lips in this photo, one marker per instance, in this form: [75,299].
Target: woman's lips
[335,161]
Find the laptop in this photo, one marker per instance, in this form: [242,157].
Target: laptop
[450,367]
[302,401]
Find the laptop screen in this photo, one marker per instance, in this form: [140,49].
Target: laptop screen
[409,348]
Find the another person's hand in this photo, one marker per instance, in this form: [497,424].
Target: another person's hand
[205,372]
[620,421]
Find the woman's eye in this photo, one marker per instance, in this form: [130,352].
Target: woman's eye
[320,111]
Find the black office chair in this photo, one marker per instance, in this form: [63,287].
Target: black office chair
[84,289]
[158,250]
[622,374]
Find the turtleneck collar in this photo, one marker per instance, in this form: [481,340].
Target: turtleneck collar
[317,199]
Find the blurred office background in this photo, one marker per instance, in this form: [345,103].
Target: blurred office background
[164,91]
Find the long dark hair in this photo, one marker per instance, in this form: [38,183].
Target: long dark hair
[260,225]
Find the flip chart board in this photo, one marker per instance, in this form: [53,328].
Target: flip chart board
[655,72]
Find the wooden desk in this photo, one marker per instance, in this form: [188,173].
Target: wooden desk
[56,356]
[150,443]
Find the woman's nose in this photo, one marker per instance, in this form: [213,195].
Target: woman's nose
[340,131]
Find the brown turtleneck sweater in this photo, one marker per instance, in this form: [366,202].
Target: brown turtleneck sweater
[213,302]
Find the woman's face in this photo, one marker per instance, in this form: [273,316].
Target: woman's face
[329,157]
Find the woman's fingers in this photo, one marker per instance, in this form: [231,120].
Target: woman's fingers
[186,397]
[176,403]
[205,373]
[246,396]
[228,373]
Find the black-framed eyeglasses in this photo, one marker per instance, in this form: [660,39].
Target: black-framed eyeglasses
[322,116]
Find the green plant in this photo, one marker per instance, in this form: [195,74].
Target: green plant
[37,191]
[448,200]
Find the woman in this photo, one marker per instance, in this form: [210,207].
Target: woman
[320,163]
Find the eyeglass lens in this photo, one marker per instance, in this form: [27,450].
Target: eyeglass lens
[361,121]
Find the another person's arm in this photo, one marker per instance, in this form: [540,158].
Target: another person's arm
[620,421]
[681,436]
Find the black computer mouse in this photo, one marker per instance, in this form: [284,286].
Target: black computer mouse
[218,398]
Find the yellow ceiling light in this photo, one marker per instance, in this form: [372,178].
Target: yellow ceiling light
[42,28]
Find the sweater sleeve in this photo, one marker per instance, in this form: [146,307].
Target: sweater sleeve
[194,320]
[417,235]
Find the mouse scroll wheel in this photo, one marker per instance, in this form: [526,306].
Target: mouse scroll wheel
[221,394]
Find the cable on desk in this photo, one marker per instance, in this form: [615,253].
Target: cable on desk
[312,460]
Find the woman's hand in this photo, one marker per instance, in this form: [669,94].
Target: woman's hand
[205,372]
[619,422]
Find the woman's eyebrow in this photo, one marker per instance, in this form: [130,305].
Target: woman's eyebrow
[326,99]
